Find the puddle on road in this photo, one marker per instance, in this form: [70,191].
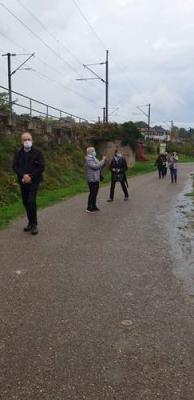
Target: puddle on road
[181,229]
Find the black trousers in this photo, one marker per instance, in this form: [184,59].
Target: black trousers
[94,187]
[160,172]
[112,189]
[29,193]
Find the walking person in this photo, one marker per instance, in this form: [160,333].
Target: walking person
[93,168]
[28,164]
[118,169]
[160,165]
[165,164]
[173,161]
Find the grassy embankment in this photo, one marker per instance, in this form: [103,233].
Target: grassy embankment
[63,178]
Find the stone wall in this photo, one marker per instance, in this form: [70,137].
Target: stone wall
[108,148]
[57,132]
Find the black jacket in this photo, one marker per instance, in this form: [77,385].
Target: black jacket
[31,163]
[118,167]
[161,161]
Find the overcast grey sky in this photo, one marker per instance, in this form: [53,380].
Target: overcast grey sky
[151,55]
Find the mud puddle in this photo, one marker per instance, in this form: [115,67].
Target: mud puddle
[181,229]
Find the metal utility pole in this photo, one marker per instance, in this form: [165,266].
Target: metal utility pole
[9,55]
[105,81]
[104,115]
[9,79]
[10,73]
[148,114]
[171,129]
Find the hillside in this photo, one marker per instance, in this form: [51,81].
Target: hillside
[64,167]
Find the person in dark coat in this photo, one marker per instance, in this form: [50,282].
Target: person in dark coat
[28,164]
[165,163]
[118,169]
[160,164]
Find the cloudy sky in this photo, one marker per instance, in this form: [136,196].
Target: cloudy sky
[151,55]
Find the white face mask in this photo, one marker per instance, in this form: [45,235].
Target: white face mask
[94,154]
[28,144]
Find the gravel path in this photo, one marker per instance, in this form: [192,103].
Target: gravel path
[91,307]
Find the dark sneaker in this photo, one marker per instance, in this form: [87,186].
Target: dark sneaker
[34,230]
[109,200]
[28,228]
[96,209]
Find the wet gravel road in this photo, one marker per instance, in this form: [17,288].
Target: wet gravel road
[91,308]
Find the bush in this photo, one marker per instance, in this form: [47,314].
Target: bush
[151,148]
[64,165]
[185,149]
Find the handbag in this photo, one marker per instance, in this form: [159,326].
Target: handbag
[119,177]
[101,177]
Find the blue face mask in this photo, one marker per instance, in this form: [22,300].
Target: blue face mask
[94,154]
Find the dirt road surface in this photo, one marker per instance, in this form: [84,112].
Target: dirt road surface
[91,308]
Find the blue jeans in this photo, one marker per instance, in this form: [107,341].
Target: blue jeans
[173,174]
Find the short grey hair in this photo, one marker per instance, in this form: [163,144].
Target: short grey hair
[89,150]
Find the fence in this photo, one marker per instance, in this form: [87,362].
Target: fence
[32,105]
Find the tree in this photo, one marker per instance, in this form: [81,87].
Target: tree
[159,128]
[130,134]
[141,124]
[4,104]
[183,133]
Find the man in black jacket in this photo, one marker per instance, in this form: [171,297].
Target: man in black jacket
[118,169]
[28,164]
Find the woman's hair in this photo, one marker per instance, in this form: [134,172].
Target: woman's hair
[89,150]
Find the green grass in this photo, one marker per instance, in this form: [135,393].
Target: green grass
[191,194]
[63,178]
[142,168]
[184,158]
[10,212]
[47,198]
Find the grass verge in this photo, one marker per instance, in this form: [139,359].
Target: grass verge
[47,198]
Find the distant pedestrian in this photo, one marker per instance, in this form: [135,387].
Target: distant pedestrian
[118,169]
[165,163]
[93,174]
[160,165]
[173,161]
[28,164]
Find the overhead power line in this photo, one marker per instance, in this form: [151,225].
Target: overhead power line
[62,85]
[24,49]
[49,66]
[50,34]
[37,36]
[89,24]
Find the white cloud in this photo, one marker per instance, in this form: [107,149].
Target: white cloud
[151,54]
